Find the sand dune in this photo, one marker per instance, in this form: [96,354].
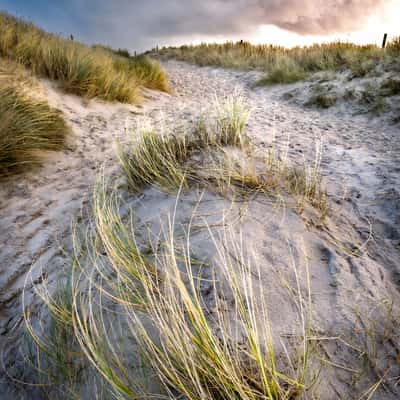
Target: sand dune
[353,256]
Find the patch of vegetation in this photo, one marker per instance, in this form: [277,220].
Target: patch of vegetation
[322,100]
[396,118]
[125,297]
[155,159]
[390,87]
[349,94]
[161,158]
[27,125]
[287,65]
[226,123]
[206,359]
[286,73]
[361,68]
[147,72]
[56,343]
[219,156]
[379,106]
[373,99]
[321,97]
[89,72]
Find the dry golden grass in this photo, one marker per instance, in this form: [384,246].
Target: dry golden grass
[27,125]
[89,72]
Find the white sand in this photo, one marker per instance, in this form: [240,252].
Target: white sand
[351,271]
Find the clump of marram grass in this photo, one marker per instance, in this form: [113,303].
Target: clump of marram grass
[146,71]
[27,125]
[155,300]
[171,162]
[155,158]
[225,123]
[230,172]
[373,99]
[54,358]
[284,72]
[162,159]
[390,87]
[321,97]
[89,72]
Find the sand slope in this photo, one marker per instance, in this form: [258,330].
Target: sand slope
[353,257]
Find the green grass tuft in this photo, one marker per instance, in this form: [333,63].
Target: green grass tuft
[219,156]
[285,73]
[321,98]
[154,158]
[161,159]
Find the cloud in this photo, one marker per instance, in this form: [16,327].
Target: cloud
[143,23]
[153,19]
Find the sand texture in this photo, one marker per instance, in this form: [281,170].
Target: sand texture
[352,256]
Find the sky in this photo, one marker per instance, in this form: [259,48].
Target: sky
[141,25]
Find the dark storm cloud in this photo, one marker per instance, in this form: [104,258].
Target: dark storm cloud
[134,23]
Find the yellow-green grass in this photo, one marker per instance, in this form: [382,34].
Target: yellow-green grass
[162,159]
[27,125]
[203,361]
[124,309]
[128,303]
[147,72]
[79,69]
[219,155]
[285,65]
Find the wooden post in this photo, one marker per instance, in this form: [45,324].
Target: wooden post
[384,40]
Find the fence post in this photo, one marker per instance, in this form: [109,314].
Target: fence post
[384,40]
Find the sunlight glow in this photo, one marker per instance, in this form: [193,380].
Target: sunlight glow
[386,21]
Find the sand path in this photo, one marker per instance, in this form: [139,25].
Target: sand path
[360,164]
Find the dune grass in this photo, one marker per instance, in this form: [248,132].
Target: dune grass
[162,158]
[85,71]
[128,306]
[218,155]
[125,303]
[53,349]
[321,98]
[285,65]
[284,73]
[27,125]
[225,123]
[155,158]
[201,362]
